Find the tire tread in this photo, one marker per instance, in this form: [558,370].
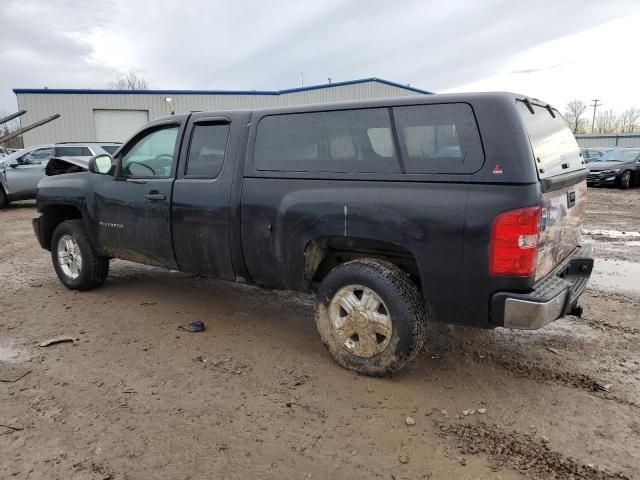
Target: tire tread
[399,281]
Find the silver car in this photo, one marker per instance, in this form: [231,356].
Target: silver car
[21,171]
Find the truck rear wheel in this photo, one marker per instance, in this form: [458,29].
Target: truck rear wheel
[370,316]
[77,264]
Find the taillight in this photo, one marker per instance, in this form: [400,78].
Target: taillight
[514,242]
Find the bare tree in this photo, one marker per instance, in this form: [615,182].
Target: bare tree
[607,122]
[629,120]
[573,115]
[132,81]
[9,127]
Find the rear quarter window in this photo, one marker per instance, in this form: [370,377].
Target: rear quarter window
[440,138]
[554,147]
[344,141]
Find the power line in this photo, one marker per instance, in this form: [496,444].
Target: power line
[595,106]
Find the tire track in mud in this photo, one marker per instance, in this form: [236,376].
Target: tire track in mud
[521,452]
[543,374]
[604,325]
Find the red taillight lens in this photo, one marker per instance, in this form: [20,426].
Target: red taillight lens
[514,242]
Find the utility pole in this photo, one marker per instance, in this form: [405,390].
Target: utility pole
[302,79]
[595,106]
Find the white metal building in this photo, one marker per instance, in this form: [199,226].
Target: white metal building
[113,115]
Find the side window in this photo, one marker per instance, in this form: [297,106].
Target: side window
[37,157]
[152,155]
[381,141]
[439,138]
[110,149]
[347,141]
[206,150]
[73,152]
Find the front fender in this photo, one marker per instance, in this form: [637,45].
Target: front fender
[62,197]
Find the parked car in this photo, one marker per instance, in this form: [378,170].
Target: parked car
[593,154]
[353,200]
[620,167]
[21,171]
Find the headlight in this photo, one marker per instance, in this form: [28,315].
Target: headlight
[613,170]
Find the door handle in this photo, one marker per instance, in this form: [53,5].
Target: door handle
[154,196]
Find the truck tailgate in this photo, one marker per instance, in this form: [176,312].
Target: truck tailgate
[562,212]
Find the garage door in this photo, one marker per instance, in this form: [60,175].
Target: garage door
[118,125]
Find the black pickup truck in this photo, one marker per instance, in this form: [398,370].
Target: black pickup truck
[462,208]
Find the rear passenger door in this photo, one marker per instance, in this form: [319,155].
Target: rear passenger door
[201,196]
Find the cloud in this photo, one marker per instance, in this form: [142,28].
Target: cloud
[435,45]
[541,69]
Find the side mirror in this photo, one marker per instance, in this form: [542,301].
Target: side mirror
[14,164]
[101,164]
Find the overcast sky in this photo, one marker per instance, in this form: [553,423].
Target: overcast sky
[554,50]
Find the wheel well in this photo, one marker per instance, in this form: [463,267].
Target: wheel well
[325,253]
[53,216]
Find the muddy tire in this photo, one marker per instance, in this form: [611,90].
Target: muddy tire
[370,316]
[77,264]
[3,199]
[625,180]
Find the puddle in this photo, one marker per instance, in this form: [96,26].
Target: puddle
[618,234]
[616,275]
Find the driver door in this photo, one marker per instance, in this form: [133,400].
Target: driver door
[133,208]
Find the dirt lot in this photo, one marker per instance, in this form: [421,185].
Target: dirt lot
[257,396]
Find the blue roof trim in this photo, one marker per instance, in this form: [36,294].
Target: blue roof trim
[216,92]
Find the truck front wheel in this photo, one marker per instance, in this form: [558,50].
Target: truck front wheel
[370,316]
[77,264]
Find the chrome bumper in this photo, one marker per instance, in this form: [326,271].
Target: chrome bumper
[551,298]
[527,315]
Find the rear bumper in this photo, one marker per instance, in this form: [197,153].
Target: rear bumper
[551,298]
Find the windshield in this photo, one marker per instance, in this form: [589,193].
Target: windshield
[621,155]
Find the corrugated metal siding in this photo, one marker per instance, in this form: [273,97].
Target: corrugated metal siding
[622,140]
[76,110]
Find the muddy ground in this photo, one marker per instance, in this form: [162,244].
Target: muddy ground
[257,396]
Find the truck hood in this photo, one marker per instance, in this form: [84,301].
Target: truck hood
[60,165]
